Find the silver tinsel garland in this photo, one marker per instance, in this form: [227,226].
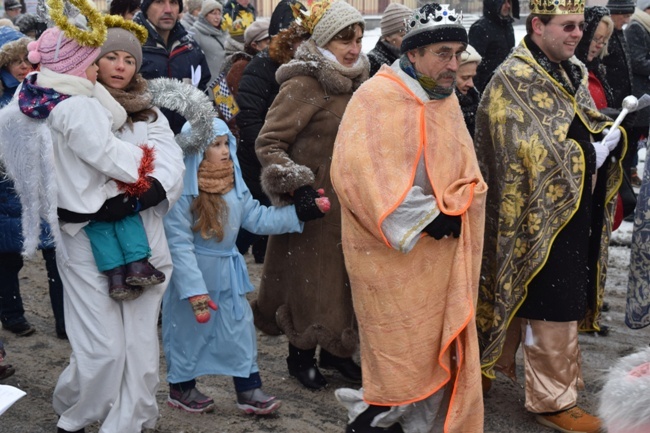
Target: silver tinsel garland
[194,105]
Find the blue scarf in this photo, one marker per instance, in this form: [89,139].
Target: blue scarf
[37,102]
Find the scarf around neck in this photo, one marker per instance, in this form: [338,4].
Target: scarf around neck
[135,97]
[427,83]
[214,179]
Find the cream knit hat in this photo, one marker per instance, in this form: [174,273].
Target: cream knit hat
[394,19]
[474,56]
[210,5]
[337,17]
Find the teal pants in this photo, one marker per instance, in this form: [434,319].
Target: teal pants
[118,243]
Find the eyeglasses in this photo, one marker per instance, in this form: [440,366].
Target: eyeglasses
[445,56]
[17,62]
[602,40]
[568,28]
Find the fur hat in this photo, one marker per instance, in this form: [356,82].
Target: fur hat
[474,56]
[336,17]
[394,19]
[433,23]
[146,3]
[210,5]
[119,39]
[624,399]
[58,53]
[620,7]
[257,31]
[30,23]
[13,45]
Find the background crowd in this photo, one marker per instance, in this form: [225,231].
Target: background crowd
[348,177]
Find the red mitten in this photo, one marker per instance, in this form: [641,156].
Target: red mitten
[201,305]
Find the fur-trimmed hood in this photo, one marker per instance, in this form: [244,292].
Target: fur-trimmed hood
[335,78]
[12,51]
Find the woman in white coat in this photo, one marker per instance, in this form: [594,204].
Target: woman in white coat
[113,373]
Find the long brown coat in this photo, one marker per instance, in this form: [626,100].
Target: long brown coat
[305,291]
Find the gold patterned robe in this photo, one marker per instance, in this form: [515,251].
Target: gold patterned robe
[535,177]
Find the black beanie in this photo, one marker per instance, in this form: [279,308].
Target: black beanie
[282,16]
[146,3]
[620,7]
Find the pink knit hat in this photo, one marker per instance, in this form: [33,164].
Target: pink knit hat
[58,53]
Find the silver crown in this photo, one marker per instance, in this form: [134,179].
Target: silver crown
[433,15]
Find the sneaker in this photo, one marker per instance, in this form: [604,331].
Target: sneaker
[21,329]
[142,273]
[192,400]
[257,402]
[574,420]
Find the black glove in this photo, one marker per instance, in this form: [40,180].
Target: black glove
[304,199]
[444,225]
[154,195]
[117,208]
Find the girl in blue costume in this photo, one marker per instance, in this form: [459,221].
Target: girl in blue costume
[201,229]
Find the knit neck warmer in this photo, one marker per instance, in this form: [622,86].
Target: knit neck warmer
[135,97]
[216,179]
[566,73]
[427,83]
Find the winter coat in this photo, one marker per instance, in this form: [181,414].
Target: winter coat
[382,54]
[493,37]
[305,292]
[172,60]
[638,41]
[227,343]
[618,68]
[213,44]
[187,21]
[8,86]
[257,90]
[469,106]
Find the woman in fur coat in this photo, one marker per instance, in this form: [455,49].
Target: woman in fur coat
[305,292]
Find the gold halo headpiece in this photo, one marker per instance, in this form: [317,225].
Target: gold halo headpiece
[557,7]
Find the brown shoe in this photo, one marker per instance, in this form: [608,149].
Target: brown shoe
[6,371]
[574,420]
[142,273]
[117,287]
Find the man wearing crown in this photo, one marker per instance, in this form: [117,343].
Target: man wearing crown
[553,173]
[412,200]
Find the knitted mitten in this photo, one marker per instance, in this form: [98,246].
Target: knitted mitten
[201,305]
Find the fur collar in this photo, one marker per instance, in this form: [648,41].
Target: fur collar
[335,78]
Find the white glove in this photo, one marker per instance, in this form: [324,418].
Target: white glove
[602,152]
[612,140]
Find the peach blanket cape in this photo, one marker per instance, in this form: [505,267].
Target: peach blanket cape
[416,309]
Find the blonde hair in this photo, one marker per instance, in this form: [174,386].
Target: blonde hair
[610,30]
[210,212]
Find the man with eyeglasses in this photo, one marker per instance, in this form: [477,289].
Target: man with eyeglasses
[412,201]
[552,173]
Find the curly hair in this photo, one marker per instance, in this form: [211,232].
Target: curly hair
[14,51]
[281,46]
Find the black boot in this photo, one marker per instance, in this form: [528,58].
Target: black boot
[362,423]
[60,430]
[346,366]
[302,366]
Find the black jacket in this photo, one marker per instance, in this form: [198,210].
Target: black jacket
[382,54]
[638,41]
[172,60]
[618,68]
[469,105]
[493,37]
[257,90]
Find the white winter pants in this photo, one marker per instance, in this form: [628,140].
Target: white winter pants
[113,373]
